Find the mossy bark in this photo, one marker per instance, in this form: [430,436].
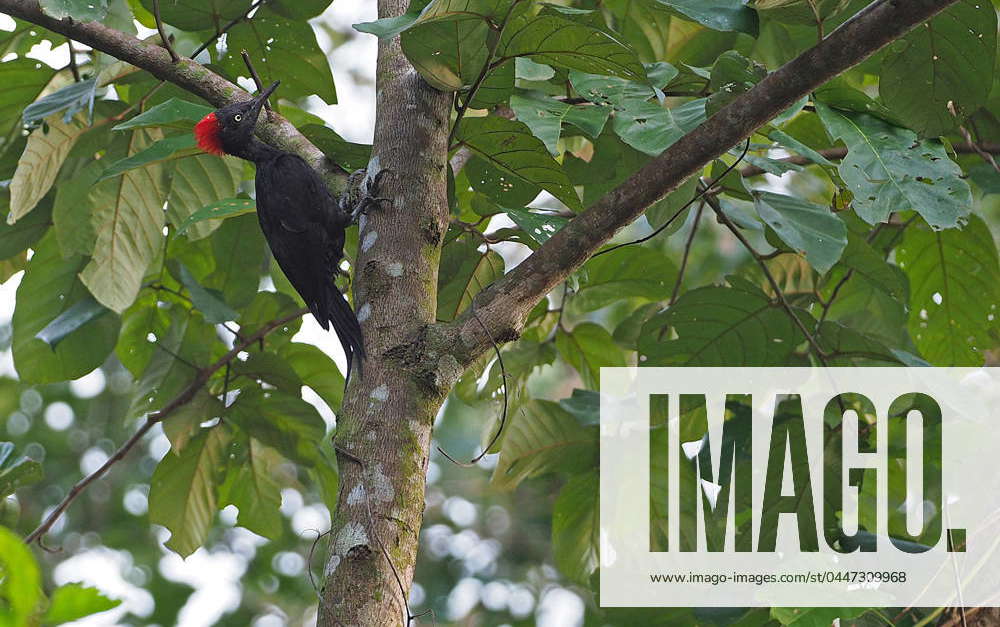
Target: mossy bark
[387,415]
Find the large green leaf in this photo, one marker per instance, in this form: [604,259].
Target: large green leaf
[725,15]
[805,226]
[182,491]
[283,421]
[315,369]
[50,287]
[74,601]
[449,55]
[47,148]
[282,49]
[464,273]
[217,210]
[647,126]
[888,169]
[721,326]
[588,347]
[20,580]
[239,251]
[208,302]
[128,219]
[815,616]
[194,15]
[16,472]
[936,76]
[252,488]
[198,182]
[71,213]
[23,80]
[545,116]
[564,43]
[175,146]
[539,226]
[576,527]
[82,312]
[69,101]
[173,113]
[632,272]
[954,279]
[350,156]
[542,438]
[509,146]
[17,237]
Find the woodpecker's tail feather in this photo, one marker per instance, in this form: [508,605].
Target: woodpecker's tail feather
[337,312]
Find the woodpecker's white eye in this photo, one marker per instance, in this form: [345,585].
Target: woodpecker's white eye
[238,117]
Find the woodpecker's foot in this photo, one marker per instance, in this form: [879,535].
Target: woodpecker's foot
[369,193]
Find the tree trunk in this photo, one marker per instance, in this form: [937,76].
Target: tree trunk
[387,415]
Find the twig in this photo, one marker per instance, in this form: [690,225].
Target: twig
[200,379]
[701,194]
[503,414]
[72,61]
[987,157]
[255,77]
[163,33]
[687,251]
[724,219]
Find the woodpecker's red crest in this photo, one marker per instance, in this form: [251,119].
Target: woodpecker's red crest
[206,133]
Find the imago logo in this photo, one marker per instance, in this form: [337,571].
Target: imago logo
[800,486]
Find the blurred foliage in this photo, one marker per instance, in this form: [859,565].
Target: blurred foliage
[885,256]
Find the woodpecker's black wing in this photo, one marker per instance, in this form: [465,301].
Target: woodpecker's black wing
[304,228]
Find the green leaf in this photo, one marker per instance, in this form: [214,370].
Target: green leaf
[174,113]
[198,183]
[72,210]
[285,49]
[806,227]
[283,421]
[953,292]
[74,601]
[936,76]
[71,99]
[847,347]
[43,156]
[195,15]
[183,488]
[315,369]
[815,616]
[82,312]
[588,348]
[724,15]
[576,527]
[539,226]
[632,272]
[609,91]
[20,580]
[208,302]
[252,488]
[560,42]
[543,438]
[268,306]
[448,55]
[160,150]
[888,170]
[299,9]
[239,250]
[464,272]
[509,146]
[718,326]
[860,257]
[348,155]
[17,237]
[218,210]
[128,219]
[78,10]
[16,472]
[186,421]
[23,79]
[50,286]
[545,116]
[187,344]
[646,126]
[271,369]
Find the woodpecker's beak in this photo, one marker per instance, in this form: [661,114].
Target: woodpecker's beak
[258,102]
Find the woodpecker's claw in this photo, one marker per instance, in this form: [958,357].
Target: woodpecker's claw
[369,194]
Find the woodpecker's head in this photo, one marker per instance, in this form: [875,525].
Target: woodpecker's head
[229,130]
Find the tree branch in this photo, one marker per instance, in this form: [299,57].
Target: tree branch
[185,73]
[200,379]
[506,303]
